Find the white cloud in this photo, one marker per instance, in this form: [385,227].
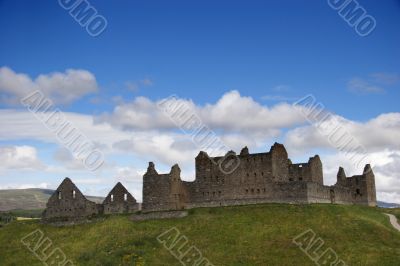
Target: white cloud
[61,88]
[373,83]
[231,113]
[67,160]
[164,147]
[24,186]
[19,157]
[379,136]
[386,167]
[127,174]
[140,130]
[381,132]
[391,197]
[136,85]
[359,85]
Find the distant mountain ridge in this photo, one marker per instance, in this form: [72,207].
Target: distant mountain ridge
[388,205]
[29,199]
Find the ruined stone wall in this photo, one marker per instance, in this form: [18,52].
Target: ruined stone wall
[156,192]
[342,195]
[315,168]
[361,188]
[298,172]
[295,192]
[310,172]
[279,163]
[259,178]
[370,186]
[119,200]
[317,193]
[252,174]
[68,202]
[251,177]
[163,191]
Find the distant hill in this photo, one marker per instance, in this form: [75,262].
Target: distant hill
[388,205]
[29,199]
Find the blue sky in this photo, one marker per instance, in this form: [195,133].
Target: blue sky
[272,51]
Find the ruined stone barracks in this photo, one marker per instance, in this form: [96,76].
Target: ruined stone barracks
[69,204]
[258,178]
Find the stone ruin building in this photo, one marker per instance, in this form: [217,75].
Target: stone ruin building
[69,204]
[119,200]
[259,178]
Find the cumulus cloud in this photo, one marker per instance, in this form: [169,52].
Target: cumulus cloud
[132,179]
[386,169]
[140,129]
[61,88]
[19,157]
[380,137]
[128,174]
[381,132]
[67,160]
[231,113]
[19,125]
[165,147]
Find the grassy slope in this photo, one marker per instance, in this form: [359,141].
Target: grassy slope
[28,199]
[395,212]
[246,235]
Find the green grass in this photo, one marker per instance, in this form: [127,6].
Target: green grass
[35,213]
[6,218]
[395,212]
[245,235]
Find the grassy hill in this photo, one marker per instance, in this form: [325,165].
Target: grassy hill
[28,199]
[243,235]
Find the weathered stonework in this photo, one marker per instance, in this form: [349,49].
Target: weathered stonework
[119,200]
[259,178]
[69,204]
